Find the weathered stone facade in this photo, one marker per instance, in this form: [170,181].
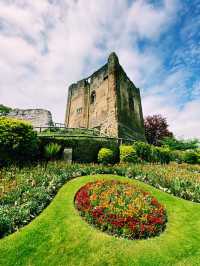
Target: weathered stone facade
[107,100]
[37,117]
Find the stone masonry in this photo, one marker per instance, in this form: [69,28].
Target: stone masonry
[107,100]
[37,117]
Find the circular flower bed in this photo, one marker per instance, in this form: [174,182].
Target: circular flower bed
[121,209]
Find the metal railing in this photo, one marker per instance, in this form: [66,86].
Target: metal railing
[55,128]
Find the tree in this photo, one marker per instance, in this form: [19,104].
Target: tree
[156,128]
[180,144]
[4,110]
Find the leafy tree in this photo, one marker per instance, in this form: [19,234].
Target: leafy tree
[156,128]
[175,144]
[4,110]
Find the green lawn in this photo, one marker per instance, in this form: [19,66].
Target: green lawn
[60,237]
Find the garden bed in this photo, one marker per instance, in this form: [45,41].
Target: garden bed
[121,209]
[37,186]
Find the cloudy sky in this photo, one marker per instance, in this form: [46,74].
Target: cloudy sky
[47,44]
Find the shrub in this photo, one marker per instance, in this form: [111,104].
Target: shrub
[162,155]
[177,156]
[106,156]
[52,150]
[138,215]
[128,154]
[191,157]
[18,141]
[143,151]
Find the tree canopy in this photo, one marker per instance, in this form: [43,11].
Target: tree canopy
[4,110]
[156,128]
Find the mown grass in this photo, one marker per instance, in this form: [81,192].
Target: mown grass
[59,236]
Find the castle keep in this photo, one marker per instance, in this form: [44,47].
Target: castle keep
[107,100]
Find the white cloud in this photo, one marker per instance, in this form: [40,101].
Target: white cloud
[183,122]
[46,45]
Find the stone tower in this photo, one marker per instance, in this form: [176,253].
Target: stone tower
[106,100]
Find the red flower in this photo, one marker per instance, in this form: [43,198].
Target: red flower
[97,212]
[82,199]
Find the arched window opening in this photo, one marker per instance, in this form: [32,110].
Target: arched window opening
[93,97]
[131,103]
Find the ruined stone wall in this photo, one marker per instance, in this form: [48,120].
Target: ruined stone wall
[37,117]
[77,111]
[129,108]
[98,107]
[107,100]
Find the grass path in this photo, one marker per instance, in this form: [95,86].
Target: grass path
[60,237]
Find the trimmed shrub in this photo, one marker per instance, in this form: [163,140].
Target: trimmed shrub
[128,154]
[106,156]
[18,141]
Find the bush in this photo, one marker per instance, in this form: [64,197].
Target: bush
[128,154]
[143,151]
[191,157]
[106,156]
[18,141]
[51,151]
[161,155]
[177,156]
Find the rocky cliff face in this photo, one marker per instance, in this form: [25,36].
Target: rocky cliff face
[37,117]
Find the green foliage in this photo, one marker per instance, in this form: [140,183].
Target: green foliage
[106,156]
[56,131]
[191,157]
[161,155]
[4,110]
[175,144]
[60,237]
[143,151]
[128,154]
[18,141]
[85,149]
[37,186]
[51,151]
[177,156]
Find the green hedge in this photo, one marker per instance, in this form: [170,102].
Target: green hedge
[18,141]
[85,149]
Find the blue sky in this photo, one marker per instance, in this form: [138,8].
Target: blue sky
[46,45]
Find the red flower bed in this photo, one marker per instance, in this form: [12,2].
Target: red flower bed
[121,209]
